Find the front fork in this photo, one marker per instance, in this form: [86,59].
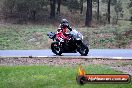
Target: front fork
[79,43]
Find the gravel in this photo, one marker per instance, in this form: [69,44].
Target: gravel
[124,66]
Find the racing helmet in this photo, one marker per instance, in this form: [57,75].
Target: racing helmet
[64,23]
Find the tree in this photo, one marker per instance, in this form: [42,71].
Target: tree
[52,8]
[88,13]
[28,9]
[108,10]
[9,5]
[131,15]
[130,10]
[73,5]
[98,10]
[8,8]
[118,9]
[59,4]
[81,6]
[97,2]
[130,4]
[109,3]
[23,9]
[113,2]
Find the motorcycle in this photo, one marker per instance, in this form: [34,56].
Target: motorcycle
[74,45]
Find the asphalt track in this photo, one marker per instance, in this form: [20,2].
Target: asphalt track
[93,53]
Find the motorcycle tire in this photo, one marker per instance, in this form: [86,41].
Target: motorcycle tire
[56,49]
[82,52]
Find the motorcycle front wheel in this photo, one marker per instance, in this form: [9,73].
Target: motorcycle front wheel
[83,49]
[56,48]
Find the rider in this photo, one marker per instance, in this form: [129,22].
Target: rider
[61,32]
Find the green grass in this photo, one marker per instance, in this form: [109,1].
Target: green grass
[24,36]
[51,77]
[109,36]
[14,36]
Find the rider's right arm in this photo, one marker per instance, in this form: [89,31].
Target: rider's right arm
[69,28]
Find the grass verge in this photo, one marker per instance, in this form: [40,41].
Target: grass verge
[51,77]
[15,36]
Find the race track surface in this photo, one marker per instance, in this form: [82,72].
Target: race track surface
[106,53]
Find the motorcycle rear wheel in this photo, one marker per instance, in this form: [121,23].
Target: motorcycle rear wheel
[56,49]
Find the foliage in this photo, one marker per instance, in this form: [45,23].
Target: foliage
[23,9]
[130,9]
[130,4]
[113,2]
[118,9]
[73,5]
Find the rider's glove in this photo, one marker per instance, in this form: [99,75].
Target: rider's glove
[61,40]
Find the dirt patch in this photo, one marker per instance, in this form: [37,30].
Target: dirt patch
[120,65]
[129,46]
[126,69]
